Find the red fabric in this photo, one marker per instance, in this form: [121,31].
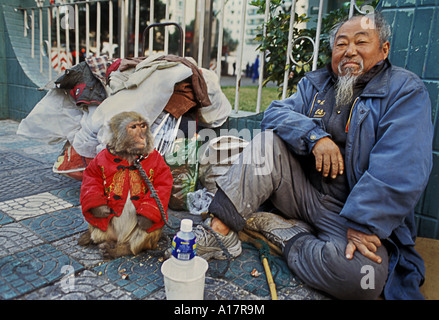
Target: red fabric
[104,184]
[70,163]
[113,67]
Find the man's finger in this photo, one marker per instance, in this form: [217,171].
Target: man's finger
[375,240]
[326,164]
[334,166]
[368,254]
[318,162]
[340,164]
[371,247]
[350,249]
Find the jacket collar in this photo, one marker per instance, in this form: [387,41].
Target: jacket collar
[378,86]
[118,160]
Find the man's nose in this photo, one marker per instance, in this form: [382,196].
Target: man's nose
[351,50]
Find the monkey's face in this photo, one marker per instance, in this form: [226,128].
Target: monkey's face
[136,137]
[129,135]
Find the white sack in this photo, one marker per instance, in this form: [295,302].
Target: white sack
[85,139]
[55,118]
[217,113]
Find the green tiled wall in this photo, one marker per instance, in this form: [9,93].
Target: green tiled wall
[415,46]
[3,74]
[20,75]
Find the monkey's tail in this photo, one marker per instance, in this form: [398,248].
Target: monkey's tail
[153,192]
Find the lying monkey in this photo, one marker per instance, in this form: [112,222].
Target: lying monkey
[116,202]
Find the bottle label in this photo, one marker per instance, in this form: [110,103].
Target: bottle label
[184,249]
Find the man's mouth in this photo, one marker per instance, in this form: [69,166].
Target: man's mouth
[350,64]
[350,67]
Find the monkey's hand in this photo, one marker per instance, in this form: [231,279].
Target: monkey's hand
[101,211]
[143,222]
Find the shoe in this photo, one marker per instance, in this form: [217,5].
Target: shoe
[275,228]
[212,245]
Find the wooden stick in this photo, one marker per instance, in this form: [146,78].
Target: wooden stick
[270,281]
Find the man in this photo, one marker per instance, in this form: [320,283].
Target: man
[345,160]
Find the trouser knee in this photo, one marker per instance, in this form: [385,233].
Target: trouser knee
[323,266]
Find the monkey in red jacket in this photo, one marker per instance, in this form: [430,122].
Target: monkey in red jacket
[116,202]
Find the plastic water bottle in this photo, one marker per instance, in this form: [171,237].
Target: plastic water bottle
[184,244]
[184,249]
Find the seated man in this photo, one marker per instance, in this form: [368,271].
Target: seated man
[344,161]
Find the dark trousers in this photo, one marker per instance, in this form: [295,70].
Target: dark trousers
[266,170]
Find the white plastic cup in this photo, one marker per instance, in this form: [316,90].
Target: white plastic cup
[184,280]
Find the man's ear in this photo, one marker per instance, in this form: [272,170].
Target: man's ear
[386,49]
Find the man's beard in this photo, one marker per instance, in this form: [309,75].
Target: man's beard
[344,88]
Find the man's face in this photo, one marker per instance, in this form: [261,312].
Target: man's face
[355,46]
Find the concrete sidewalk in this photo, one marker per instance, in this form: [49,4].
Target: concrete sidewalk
[41,220]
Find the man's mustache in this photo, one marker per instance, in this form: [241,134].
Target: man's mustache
[346,61]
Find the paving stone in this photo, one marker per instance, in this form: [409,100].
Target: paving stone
[5,219]
[37,149]
[88,256]
[239,272]
[14,160]
[44,152]
[87,285]
[31,206]
[300,292]
[143,274]
[14,237]
[57,225]
[219,289]
[70,194]
[9,128]
[25,271]
[27,181]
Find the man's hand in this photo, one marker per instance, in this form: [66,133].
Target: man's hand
[365,243]
[328,158]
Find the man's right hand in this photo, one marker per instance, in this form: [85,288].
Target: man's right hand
[328,158]
[101,211]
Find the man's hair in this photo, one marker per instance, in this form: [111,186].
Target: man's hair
[380,24]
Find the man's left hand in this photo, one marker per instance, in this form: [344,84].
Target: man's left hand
[366,244]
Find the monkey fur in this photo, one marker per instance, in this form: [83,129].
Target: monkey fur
[122,143]
[129,138]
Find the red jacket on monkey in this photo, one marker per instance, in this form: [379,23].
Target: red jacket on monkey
[108,179]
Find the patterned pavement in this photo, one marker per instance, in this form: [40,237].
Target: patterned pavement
[41,220]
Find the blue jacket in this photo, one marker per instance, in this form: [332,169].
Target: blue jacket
[388,160]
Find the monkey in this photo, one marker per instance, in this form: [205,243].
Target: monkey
[115,200]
